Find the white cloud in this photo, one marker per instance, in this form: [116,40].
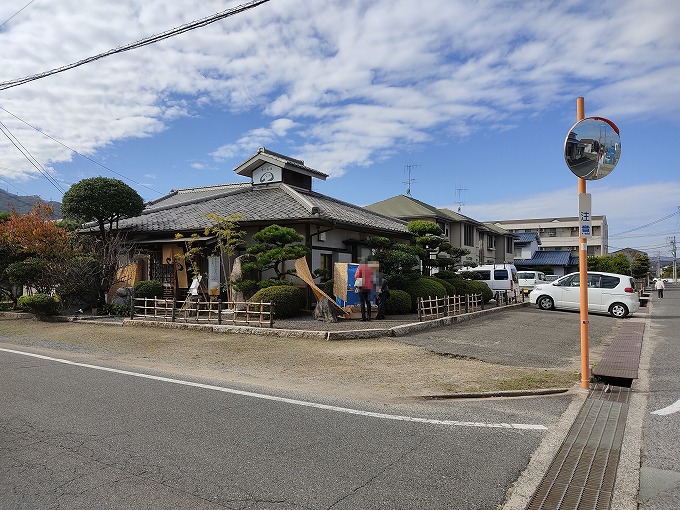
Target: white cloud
[344,83]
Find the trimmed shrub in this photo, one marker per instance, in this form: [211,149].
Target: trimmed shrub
[149,289]
[449,286]
[446,274]
[425,287]
[288,300]
[328,287]
[39,304]
[399,303]
[483,288]
[117,310]
[474,287]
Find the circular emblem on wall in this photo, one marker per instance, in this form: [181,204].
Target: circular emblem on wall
[267,177]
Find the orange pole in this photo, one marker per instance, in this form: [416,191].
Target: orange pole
[583,276]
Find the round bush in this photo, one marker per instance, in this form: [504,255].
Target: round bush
[446,274]
[449,286]
[328,287]
[425,287]
[474,287]
[149,289]
[40,304]
[288,300]
[399,303]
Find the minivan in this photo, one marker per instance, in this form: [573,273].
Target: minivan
[610,293]
[527,280]
[500,278]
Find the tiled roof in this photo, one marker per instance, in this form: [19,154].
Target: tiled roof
[186,210]
[188,195]
[499,230]
[527,237]
[265,155]
[546,258]
[402,206]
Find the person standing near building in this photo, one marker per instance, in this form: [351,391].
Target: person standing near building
[363,283]
[381,299]
[659,286]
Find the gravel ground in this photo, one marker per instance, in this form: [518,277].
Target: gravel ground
[494,352]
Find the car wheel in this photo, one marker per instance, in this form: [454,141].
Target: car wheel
[618,310]
[545,303]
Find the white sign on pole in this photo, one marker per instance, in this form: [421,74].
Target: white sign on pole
[584,215]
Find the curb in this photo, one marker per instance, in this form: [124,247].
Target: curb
[360,334]
[491,394]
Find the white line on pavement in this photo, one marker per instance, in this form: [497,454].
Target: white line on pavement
[673,408]
[521,426]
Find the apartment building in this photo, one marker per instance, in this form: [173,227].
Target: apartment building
[561,234]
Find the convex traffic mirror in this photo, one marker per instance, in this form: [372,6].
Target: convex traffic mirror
[592,148]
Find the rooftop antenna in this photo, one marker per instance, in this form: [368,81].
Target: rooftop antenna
[408,169]
[459,192]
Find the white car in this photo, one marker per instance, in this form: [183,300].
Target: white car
[607,293]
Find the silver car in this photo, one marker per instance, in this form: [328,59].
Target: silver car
[607,293]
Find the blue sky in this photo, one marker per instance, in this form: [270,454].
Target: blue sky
[475,97]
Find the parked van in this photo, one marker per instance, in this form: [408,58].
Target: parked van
[500,278]
[527,280]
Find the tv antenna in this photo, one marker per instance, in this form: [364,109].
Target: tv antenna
[408,169]
[459,192]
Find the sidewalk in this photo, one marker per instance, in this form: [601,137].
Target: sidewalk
[618,455]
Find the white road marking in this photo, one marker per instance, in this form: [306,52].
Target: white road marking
[520,426]
[673,408]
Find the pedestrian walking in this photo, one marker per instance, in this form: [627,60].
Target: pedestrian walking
[659,286]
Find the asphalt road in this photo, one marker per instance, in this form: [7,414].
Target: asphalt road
[75,436]
[660,454]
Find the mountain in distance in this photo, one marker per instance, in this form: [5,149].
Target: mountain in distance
[23,204]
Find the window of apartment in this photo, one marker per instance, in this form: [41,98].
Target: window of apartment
[469,235]
[509,245]
[490,243]
[551,232]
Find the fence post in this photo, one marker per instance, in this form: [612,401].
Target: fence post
[420,309]
[271,315]
[174,307]
[219,311]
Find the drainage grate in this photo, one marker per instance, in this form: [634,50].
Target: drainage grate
[622,358]
[583,472]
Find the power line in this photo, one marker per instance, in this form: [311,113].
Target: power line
[647,225]
[15,141]
[138,44]
[7,20]
[79,154]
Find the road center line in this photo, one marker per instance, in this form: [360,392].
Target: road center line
[673,408]
[455,423]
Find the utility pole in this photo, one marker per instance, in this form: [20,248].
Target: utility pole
[671,240]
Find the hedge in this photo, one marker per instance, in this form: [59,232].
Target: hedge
[288,300]
[425,287]
[149,289]
[399,303]
[40,304]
